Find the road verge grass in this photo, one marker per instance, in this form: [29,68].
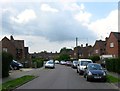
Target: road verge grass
[12,84]
[112,79]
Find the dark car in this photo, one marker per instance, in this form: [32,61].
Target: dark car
[74,64]
[94,71]
[15,65]
[68,63]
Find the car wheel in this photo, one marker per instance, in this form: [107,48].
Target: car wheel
[87,79]
[77,70]
[104,80]
[80,73]
[15,68]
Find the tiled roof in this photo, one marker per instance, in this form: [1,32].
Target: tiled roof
[117,35]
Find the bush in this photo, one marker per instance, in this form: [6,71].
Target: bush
[113,65]
[6,60]
[38,62]
[94,58]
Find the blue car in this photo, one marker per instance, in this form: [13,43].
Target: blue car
[15,65]
[94,71]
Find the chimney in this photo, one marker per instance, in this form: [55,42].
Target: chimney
[81,45]
[86,44]
[11,37]
[106,39]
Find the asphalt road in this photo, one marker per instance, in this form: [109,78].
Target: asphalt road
[63,77]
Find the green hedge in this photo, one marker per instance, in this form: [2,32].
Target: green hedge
[113,65]
[94,58]
[6,60]
[38,62]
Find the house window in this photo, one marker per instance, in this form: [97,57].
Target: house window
[5,49]
[111,44]
[96,51]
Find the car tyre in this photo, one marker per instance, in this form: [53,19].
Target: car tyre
[77,71]
[87,79]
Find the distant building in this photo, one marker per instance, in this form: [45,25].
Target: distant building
[99,48]
[45,55]
[113,44]
[82,52]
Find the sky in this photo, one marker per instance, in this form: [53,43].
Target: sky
[54,24]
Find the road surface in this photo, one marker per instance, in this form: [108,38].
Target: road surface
[63,77]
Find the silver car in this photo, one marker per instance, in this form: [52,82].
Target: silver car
[49,64]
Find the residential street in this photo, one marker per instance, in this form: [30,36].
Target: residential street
[63,77]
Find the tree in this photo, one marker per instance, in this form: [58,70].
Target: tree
[64,57]
[6,60]
[94,58]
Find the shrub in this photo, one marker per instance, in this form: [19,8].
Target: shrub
[38,62]
[6,60]
[113,65]
[94,58]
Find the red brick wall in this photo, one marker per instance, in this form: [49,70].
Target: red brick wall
[10,47]
[113,50]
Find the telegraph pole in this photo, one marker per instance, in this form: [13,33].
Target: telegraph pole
[76,41]
[77,52]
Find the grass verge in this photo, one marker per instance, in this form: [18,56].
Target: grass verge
[7,86]
[112,79]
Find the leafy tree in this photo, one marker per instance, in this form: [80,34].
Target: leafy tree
[64,57]
[6,60]
[94,58]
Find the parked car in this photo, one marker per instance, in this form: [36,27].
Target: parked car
[49,64]
[56,62]
[74,64]
[62,62]
[15,65]
[95,71]
[82,63]
[68,63]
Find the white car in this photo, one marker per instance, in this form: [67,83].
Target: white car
[62,62]
[56,62]
[49,64]
[82,63]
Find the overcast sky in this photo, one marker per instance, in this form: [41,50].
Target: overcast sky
[53,25]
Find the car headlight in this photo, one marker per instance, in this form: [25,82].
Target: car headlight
[89,73]
[104,74]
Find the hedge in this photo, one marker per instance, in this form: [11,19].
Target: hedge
[6,60]
[113,65]
[94,58]
[38,62]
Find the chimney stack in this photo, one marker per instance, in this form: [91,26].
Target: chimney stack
[11,37]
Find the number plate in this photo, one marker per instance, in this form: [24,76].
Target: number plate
[97,77]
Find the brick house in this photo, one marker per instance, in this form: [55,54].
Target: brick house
[16,48]
[8,46]
[82,52]
[45,55]
[99,48]
[113,44]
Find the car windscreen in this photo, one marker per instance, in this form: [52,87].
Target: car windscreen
[50,62]
[75,62]
[94,67]
[85,63]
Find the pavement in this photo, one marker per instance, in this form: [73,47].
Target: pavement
[13,74]
[117,76]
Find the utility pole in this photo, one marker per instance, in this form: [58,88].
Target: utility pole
[77,52]
[76,41]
